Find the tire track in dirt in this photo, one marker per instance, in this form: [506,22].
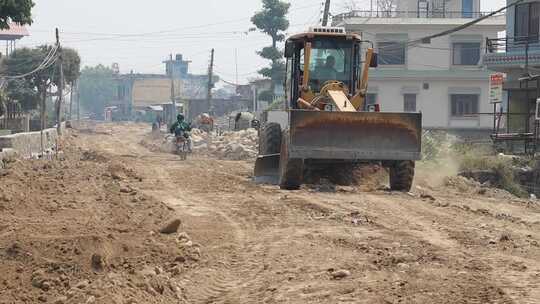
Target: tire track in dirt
[246,229]
[415,226]
[226,267]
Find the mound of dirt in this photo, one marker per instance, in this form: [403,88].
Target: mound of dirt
[77,230]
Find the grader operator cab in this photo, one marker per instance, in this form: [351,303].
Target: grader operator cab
[330,127]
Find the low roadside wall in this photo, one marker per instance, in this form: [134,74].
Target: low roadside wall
[7,155]
[29,144]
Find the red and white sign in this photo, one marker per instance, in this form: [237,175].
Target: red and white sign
[496,88]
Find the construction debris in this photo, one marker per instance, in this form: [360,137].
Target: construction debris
[241,145]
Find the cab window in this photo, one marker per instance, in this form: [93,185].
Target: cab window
[330,60]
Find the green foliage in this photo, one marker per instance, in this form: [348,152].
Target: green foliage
[71,64]
[21,92]
[96,88]
[441,150]
[474,158]
[272,21]
[19,11]
[436,146]
[503,167]
[27,91]
[270,53]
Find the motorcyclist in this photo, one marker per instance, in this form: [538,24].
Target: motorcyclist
[180,129]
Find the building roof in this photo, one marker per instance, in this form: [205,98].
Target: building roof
[15,31]
[497,21]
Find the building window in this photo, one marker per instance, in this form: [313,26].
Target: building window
[409,102]
[466,53]
[464,105]
[391,53]
[467,8]
[527,24]
[371,99]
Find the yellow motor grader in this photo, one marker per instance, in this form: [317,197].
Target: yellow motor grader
[331,129]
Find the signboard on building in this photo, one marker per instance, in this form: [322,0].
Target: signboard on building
[496,88]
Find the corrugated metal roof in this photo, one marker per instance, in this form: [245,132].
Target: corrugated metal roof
[15,31]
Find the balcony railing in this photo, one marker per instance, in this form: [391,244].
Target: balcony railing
[512,44]
[409,14]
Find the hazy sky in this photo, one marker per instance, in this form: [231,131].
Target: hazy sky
[139,34]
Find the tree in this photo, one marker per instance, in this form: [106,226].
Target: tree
[72,71]
[72,65]
[28,91]
[272,21]
[41,71]
[19,11]
[96,88]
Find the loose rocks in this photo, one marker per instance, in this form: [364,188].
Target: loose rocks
[171,227]
[340,274]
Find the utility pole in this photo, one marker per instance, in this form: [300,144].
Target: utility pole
[173,95]
[71,101]
[60,87]
[78,101]
[236,64]
[210,83]
[326,13]
[42,105]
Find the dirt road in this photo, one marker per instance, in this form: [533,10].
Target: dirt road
[453,243]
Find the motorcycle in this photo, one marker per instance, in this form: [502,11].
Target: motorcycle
[182,145]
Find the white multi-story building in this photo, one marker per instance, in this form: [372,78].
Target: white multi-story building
[442,77]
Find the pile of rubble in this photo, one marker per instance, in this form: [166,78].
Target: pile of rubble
[229,145]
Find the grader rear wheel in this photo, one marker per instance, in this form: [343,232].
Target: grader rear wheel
[402,176]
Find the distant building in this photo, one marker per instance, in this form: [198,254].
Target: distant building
[443,77]
[518,56]
[260,103]
[178,67]
[136,92]
[151,92]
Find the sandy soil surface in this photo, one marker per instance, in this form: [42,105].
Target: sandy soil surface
[87,228]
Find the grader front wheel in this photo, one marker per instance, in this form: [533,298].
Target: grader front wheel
[291,170]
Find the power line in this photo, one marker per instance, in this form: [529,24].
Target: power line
[113,36]
[48,61]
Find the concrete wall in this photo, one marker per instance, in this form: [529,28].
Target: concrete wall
[6,155]
[29,144]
